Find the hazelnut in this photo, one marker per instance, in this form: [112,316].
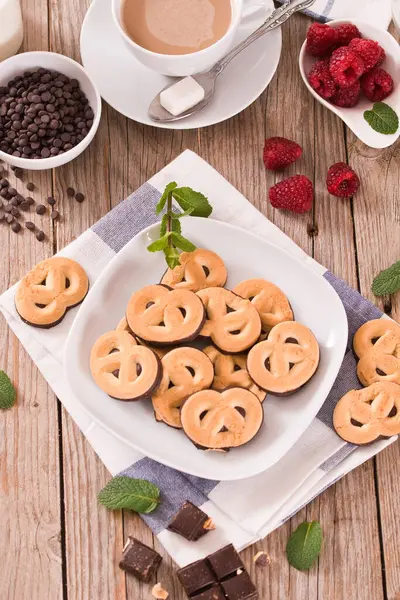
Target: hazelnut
[159,593]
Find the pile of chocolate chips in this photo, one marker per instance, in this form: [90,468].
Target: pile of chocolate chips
[42,113]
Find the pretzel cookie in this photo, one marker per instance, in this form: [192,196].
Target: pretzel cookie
[161,316]
[122,368]
[123,326]
[286,360]
[198,270]
[231,371]
[221,420]
[377,345]
[271,303]
[363,416]
[52,287]
[185,371]
[232,323]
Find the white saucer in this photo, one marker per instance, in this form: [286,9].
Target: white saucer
[129,87]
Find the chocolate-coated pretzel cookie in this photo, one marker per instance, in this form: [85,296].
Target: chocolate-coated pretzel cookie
[52,287]
[271,303]
[222,420]
[123,326]
[161,316]
[377,345]
[286,360]
[124,369]
[232,323]
[363,416]
[198,270]
[185,371]
[230,370]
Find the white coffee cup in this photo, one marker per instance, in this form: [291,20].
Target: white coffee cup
[180,65]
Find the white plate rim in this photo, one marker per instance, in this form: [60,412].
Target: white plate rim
[178,125]
[104,275]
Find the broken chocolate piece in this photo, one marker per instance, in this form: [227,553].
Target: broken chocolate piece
[214,593]
[189,522]
[240,588]
[196,577]
[139,559]
[225,562]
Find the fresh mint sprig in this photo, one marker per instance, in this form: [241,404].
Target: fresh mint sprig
[7,391]
[387,281]
[171,239]
[382,118]
[304,545]
[138,495]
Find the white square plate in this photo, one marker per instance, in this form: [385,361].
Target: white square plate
[314,302]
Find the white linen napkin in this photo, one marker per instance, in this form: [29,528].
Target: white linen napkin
[244,511]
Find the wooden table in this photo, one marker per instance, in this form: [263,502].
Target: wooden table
[56,541]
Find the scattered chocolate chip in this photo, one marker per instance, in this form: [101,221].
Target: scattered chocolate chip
[40,209]
[14,201]
[9,219]
[261,559]
[29,200]
[19,198]
[4,193]
[16,227]
[12,191]
[51,201]
[29,225]
[312,229]
[79,197]
[4,182]
[15,212]
[30,186]
[24,205]
[70,192]
[18,172]
[54,214]
[40,236]
[8,207]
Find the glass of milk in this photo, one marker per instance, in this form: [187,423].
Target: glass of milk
[11,28]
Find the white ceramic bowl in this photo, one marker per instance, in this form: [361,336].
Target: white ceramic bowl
[180,65]
[354,117]
[49,60]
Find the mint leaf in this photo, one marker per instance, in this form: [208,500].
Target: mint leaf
[188,198]
[388,281]
[163,200]
[382,118]
[175,225]
[182,243]
[159,244]
[183,214]
[136,494]
[172,257]
[7,391]
[304,545]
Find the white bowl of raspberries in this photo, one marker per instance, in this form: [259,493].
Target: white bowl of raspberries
[352,68]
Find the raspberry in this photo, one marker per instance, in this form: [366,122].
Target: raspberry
[321,80]
[342,181]
[377,84]
[280,152]
[345,33]
[370,52]
[347,97]
[345,66]
[295,194]
[321,39]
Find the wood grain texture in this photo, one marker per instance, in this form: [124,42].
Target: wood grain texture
[74,555]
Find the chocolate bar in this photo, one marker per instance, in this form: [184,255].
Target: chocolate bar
[196,577]
[240,587]
[225,562]
[139,559]
[189,522]
[214,593]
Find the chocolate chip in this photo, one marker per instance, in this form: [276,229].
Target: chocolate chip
[14,201]
[12,191]
[18,173]
[70,192]
[16,227]
[9,219]
[29,225]
[79,197]
[29,200]
[54,214]
[24,205]
[51,200]
[40,236]
[8,207]
[30,186]
[4,183]
[15,212]
[4,193]
[40,209]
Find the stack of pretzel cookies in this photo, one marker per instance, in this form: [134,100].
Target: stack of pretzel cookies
[215,393]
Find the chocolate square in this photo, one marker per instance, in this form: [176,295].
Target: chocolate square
[189,522]
[225,562]
[139,559]
[240,587]
[196,577]
[214,593]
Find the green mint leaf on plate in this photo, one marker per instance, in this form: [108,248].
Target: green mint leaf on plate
[7,391]
[188,198]
[163,200]
[304,545]
[159,244]
[382,118]
[175,225]
[136,494]
[172,257]
[182,243]
[187,212]
[388,281]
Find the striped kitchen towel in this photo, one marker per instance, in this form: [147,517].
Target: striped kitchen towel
[244,511]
